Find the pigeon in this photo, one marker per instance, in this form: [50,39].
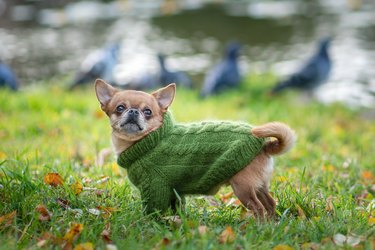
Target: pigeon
[314,72]
[159,77]
[225,74]
[7,77]
[98,64]
[167,76]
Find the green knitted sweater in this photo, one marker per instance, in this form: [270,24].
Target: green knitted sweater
[187,159]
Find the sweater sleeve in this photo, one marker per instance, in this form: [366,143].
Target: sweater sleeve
[157,196]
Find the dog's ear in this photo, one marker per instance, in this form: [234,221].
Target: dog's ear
[104,92]
[165,96]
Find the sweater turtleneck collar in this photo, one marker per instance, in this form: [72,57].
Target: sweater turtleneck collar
[140,148]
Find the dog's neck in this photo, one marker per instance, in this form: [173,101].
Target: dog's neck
[120,144]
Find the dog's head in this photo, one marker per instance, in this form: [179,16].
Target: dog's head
[134,114]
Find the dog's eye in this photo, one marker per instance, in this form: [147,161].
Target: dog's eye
[147,112]
[120,108]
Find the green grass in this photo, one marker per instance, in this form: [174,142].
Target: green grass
[323,186]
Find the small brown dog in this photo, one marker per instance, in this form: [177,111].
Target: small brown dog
[135,115]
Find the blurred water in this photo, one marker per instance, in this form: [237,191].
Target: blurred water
[276,36]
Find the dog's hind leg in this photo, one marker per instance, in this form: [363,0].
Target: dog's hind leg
[247,196]
[250,185]
[266,199]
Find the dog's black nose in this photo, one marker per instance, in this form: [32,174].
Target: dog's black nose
[133,113]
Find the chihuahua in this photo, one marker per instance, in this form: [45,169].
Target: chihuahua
[135,115]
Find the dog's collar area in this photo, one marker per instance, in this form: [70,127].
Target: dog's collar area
[145,145]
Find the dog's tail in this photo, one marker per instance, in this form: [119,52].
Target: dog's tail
[285,137]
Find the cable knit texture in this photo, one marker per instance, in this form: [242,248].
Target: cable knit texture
[187,159]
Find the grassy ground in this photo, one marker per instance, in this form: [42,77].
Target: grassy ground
[324,187]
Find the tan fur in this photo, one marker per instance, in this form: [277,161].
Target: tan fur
[284,135]
[250,184]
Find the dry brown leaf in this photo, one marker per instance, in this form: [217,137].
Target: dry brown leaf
[202,230]
[227,236]
[63,203]
[165,241]
[44,214]
[329,204]
[326,240]
[328,168]
[224,197]
[84,246]
[368,175]
[371,221]
[102,180]
[301,213]
[86,180]
[98,114]
[77,187]
[53,179]
[73,233]
[44,239]
[106,233]
[107,211]
[3,155]
[174,220]
[310,246]
[7,219]
[282,247]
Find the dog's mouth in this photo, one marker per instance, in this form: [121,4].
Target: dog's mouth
[131,126]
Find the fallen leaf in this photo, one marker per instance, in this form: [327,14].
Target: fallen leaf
[78,212]
[310,246]
[165,241]
[174,220]
[326,240]
[371,221]
[301,213]
[7,219]
[108,209]
[339,239]
[44,239]
[53,179]
[3,155]
[94,211]
[224,197]
[202,230]
[73,233]
[63,203]
[227,236]
[328,168]
[329,204]
[86,180]
[282,247]
[84,246]
[353,240]
[368,175]
[99,192]
[98,114]
[106,233]
[162,244]
[233,202]
[44,214]
[281,179]
[77,188]
[103,179]
[110,247]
